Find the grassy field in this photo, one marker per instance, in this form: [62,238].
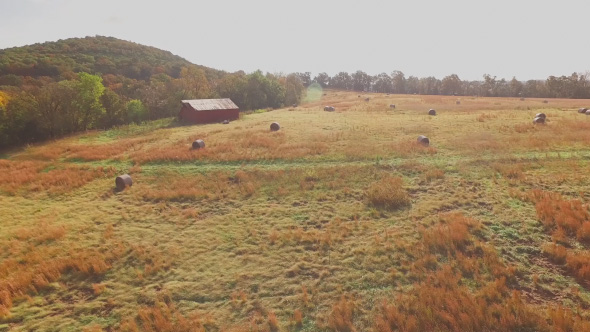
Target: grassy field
[339,221]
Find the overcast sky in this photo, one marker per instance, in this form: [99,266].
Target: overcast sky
[503,38]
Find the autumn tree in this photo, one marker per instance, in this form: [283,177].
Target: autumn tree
[294,88]
[194,83]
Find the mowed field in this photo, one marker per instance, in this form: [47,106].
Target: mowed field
[339,221]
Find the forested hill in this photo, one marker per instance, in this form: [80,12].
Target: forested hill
[56,88]
[95,55]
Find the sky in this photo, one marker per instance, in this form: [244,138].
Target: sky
[503,38]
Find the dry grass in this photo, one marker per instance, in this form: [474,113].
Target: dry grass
[34,176]
[300,229]
[388,193]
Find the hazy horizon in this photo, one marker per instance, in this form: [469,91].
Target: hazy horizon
[525,40]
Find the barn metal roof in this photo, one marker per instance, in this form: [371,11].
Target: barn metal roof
[211,104]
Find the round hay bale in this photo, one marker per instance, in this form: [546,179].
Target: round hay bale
[431,112]
[582,110]
[225,121]
[275,126]
[587,112]
[541,115]
[423,140]
[198,144]
[539,120]
[392,106]
[123,181]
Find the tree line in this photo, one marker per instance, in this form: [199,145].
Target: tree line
[573,86]
[35,112]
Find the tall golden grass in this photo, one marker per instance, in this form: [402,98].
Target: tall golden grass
[29,176]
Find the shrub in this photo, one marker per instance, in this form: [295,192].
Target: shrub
[340,319]
[388,193]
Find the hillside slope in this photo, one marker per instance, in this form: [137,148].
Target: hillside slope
[95,55]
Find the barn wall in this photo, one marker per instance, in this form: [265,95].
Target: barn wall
[217,116]
[188,114]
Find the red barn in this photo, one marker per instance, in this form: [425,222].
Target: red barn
[209,110]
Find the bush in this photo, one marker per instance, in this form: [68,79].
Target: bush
[388,193]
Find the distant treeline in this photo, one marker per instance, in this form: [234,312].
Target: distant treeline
[573,86]
[53,89]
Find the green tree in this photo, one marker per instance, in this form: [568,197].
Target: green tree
[275,91]
[322,79]
[20,121]
[413,84]
[399,81]
[293,89]
[305,78]
[255,91]
[383,83]
[361,81]
[136,112]
[342,81]
[233,86]
[54,104]
[451,85]
[516,87]
[115,112]
[88,90]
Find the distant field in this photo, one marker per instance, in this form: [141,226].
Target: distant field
[339,221]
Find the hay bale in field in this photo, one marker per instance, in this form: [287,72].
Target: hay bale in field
[587,112]
[423,140]
[225,122]
[198,144]
[541,115]
[539,120]
[329,108]
[275,126]
[582,110]
[123,181]
[431,112]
